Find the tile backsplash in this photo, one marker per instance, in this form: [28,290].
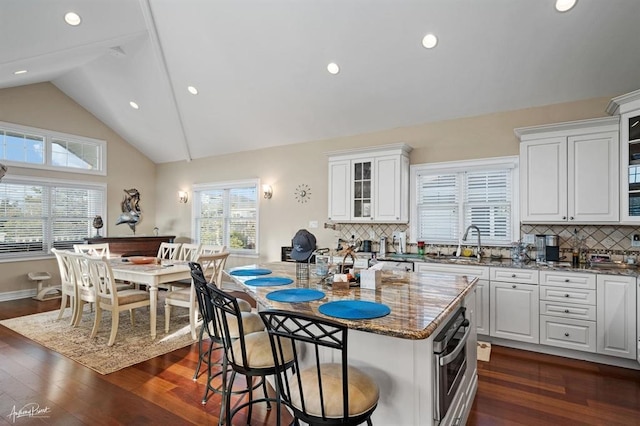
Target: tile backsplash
[612,239]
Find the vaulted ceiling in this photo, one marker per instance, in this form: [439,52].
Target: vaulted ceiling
[260,66]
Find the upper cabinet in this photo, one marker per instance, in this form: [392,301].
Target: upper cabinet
[569,172]
[370,185]
[628,108]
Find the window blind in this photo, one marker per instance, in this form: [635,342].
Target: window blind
[36,216]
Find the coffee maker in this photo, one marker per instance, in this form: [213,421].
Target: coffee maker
[552,249]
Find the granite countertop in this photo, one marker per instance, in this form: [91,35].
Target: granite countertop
[604,268]
[419,303]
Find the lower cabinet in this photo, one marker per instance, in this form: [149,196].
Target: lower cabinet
[482,307]
[616,316]
[514,311]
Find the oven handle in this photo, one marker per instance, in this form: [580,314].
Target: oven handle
[450,357]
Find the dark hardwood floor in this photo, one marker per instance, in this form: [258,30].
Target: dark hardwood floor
[515,388]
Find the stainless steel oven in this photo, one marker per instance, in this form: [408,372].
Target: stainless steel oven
[450,359]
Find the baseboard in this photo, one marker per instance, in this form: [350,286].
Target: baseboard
[18,294]
[566,353]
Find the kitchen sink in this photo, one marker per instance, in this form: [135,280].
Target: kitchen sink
[454,259]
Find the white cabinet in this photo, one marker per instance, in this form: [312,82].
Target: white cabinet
[569,172]
[616,316]
[513,304]
[370,185]
[481,310]
[628,107]
[568,310]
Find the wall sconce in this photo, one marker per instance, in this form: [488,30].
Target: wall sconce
[183,197]
[268,191]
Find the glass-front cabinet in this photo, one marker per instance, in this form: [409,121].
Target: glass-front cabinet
[628,107]
[362,189]
[369,185]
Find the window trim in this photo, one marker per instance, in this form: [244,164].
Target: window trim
[25,180]
[243,183]
[511,162]
[48,136]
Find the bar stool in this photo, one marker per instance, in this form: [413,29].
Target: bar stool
[249,355]
[250,323]
[321,393]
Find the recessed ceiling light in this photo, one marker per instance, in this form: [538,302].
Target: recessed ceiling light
[333,68]
[20,72]
[72,19]
[192,90]
[429,41]
[134,105]
[565,5]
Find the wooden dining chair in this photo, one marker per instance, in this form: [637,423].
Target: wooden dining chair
[189,252]
[68,287]
[85,291]
[168,251]
[108,297]
[212,248]
[98,250]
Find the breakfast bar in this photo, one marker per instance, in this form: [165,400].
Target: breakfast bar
[396,349]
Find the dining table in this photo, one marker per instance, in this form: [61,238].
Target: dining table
[151,275]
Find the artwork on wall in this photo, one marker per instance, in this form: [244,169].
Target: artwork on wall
[131,213]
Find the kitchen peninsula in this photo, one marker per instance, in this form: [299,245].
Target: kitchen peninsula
[397,349]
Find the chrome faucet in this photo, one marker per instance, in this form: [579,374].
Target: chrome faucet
[464,238]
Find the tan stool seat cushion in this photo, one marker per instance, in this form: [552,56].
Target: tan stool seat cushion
[363,391]
[251,323]
[244,305]
[259,353]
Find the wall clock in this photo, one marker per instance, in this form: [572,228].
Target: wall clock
[303,193]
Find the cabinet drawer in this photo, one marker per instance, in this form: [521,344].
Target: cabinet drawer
[482,272]
[568,310]
[523,276]
[571,295]
[568,333]
[568,279]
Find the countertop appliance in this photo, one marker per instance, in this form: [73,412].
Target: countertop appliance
[450,357]
[552,249]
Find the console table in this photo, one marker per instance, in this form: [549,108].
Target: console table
[132,246]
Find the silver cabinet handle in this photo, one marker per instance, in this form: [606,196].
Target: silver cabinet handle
[571,218]
[513,275]
[566,295]
[513,286]
[564,218]
[566,334]
[566,311]
[567,280]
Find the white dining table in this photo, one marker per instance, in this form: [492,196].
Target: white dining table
[151,275]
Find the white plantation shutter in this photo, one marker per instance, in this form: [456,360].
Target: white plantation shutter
[487,204]
[36,216]
[227,214]
[450,198]
[438,207]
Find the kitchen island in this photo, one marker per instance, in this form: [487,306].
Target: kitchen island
[397,349]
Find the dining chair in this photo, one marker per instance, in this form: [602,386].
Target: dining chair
[331,393]
[98,250]
[85,291]
[189,252]
[68,287]
[186,297]
[251,323]
[213,269]
[168,251]
[249,354]
[212,248]
[110,299]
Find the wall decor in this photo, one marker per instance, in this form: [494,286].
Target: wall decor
[303,193]
[131,213]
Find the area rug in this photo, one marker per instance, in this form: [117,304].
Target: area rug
[133,343]
[484,351]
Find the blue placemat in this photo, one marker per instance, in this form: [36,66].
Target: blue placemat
[267,281]
[293,295]
[250,272]
[354,309]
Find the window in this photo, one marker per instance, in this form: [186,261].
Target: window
[448,197]
[227,214]
[36,215]
[44,149]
